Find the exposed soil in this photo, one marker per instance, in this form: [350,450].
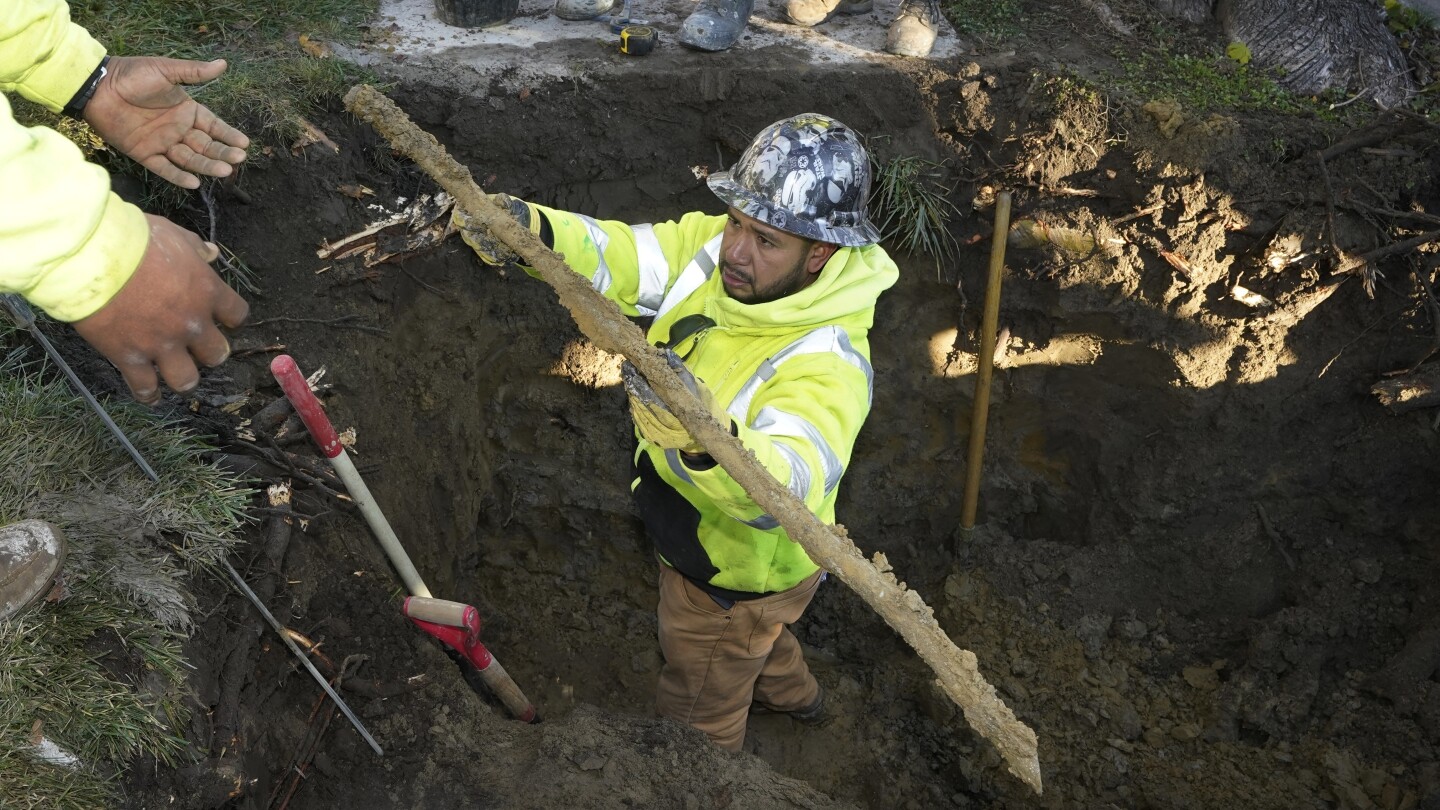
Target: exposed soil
[1203,546]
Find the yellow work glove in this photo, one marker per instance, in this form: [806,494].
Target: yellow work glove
[491,250]
[654,421]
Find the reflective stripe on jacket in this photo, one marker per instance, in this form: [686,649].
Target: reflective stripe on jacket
[794,373]
[66,242]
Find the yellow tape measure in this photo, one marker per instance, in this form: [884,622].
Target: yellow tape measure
[638,40]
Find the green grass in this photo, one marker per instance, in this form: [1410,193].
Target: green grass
[913,210]
[271,81]
[102,669]
[991,21]
[1204,83]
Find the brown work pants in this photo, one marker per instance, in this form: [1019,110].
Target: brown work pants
[719,661]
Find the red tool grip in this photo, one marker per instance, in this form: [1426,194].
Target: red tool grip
[292,382]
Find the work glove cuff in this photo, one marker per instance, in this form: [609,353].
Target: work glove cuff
[491,250]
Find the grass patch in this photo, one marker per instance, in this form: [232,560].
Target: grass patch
[913,209]
[271,77]
[272,82]
[100,673]
[1205,83]
[990,21]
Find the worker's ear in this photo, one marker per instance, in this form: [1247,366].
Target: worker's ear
[818,255]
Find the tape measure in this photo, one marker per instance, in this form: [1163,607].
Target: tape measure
[638,40]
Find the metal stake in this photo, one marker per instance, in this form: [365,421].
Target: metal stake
[304,659]
[25,317]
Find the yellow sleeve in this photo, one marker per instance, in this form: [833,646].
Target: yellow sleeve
[43,55]
[66,242]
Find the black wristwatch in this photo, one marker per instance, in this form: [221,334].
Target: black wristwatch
[76,107]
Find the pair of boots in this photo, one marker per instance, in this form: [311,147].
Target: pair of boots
[717,24]
[911,33]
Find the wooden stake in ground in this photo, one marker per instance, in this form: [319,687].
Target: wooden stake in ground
[829,546]
[988,325]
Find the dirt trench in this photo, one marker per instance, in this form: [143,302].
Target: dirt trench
[1201,541]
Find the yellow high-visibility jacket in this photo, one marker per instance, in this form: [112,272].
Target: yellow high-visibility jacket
[794,375]
[66,242]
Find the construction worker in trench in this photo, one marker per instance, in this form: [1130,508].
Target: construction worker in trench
[764,311]
[138,288]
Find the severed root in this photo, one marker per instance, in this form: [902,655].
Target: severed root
[829,546]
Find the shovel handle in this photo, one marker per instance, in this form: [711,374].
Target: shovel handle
[508,691]
[292,382]
[442,611]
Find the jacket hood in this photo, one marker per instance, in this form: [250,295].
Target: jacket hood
[845,291]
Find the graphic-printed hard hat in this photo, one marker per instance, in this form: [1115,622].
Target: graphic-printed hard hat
[807,175]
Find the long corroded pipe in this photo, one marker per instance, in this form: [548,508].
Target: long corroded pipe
[829,546]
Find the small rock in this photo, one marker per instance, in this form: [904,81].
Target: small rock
[1367,570]
[1127,721]
[592,762]
[646,661]
[1185,732]
[1205,679]
[1091,631]
[1155,738]
[1374,781]
[1130,629]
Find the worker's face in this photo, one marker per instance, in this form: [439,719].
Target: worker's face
[759,263]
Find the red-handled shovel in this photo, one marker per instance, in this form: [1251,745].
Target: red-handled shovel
[455,624]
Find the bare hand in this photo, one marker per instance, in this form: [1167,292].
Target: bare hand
[164,317]
[141,109]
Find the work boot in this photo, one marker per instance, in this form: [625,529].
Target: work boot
[812,715]
[914,29]
[31,553]
[814,12]
[716,24]
[582,9]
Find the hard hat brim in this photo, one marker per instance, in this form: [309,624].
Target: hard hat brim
[753,205]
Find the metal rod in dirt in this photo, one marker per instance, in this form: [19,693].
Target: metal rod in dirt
[292,382]
[304,659]
[989,323]
[829,546]
[25,316]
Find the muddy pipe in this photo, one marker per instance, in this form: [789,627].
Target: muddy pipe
[989,323]
[829,546]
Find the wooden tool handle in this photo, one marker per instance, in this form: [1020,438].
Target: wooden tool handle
[509,692]
[439,611]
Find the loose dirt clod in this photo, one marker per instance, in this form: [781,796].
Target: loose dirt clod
[601,321]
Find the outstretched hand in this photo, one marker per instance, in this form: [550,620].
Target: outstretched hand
[164,317]
[141,108]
